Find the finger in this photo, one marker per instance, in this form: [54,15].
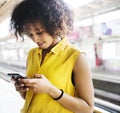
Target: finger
[37,76]
[26,81]
[17,84]
[29,85]
[22,89]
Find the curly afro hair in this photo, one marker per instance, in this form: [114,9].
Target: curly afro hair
[54,15]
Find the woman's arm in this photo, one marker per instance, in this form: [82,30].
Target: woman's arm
[84,86]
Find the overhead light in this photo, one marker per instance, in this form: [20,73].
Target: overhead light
[78,3]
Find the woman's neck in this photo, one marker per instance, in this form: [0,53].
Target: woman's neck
[45,51]
[55,42]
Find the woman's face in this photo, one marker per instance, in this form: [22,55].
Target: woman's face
[38,34]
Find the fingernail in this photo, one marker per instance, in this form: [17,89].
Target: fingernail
[19,79]
[22,84]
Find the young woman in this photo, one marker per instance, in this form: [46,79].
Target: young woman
[58,75]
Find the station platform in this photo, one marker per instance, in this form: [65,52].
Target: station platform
[106,75]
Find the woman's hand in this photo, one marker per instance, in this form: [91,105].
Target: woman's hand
[20,87]
[38,84]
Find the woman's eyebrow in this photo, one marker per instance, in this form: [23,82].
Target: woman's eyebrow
[38,29]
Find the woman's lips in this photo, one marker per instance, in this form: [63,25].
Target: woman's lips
[40,44]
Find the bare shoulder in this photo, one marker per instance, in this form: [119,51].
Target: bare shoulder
[81,63]
[82,70]
[83,79]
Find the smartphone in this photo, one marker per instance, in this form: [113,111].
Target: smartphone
[15,76]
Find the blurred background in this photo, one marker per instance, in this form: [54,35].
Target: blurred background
[96,31]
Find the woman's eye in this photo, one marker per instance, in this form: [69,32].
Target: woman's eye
[30,35]
[39,33]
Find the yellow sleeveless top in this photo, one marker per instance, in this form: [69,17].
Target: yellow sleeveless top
[57,67]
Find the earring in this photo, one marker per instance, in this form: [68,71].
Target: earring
[58,38]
